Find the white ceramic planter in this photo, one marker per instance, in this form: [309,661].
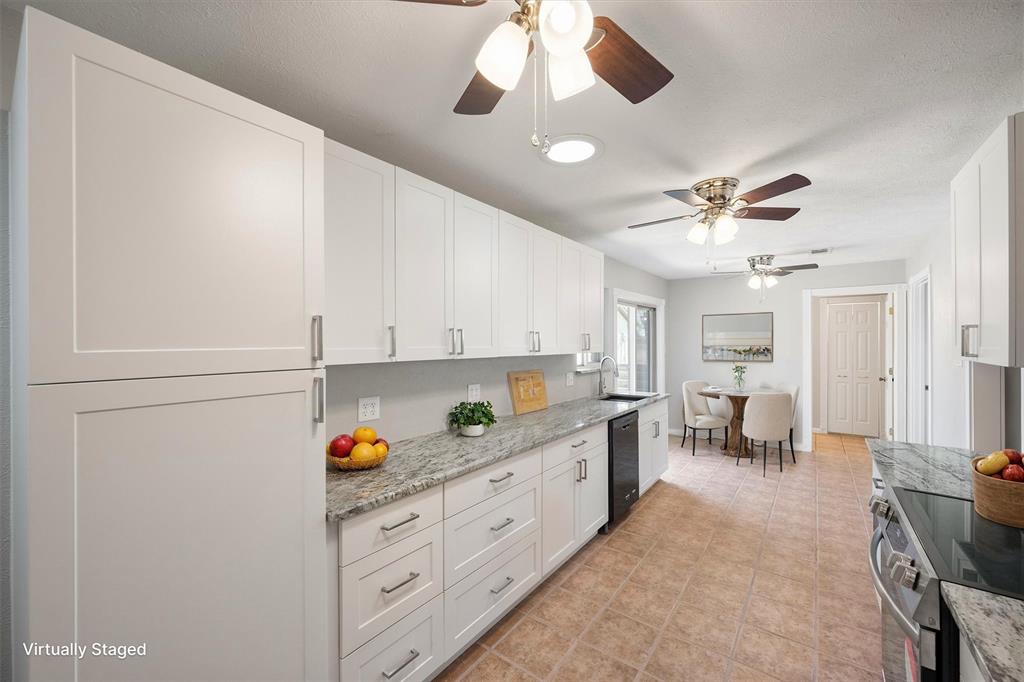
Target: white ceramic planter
[472,430]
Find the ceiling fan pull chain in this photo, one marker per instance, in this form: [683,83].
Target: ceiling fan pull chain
[534,140]
[546,147]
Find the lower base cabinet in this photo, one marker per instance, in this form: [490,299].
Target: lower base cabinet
[575,504]
[410,650]
[653,452]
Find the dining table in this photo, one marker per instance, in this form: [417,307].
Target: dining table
[735,445]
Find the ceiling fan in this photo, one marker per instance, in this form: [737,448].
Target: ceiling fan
[764,273]
[578,45]
[718,208]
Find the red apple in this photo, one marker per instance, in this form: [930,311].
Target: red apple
[1013,455]
[381,440]
[341,445]
[1013,472]
[997,474]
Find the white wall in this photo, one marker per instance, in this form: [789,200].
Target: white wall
[688,299]
[621,276]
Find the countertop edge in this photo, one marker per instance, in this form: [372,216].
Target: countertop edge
[430,481]
[958,598]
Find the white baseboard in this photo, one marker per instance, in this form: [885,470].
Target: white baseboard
[818,429]
[677,432]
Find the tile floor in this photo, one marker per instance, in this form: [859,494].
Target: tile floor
[718,574]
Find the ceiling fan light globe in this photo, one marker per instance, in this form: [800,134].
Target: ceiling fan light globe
[770,281]
[503,55]
[569,75]
[725,229]
[565,25]
[754,282]
[698,234]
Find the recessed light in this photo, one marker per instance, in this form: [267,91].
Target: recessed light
[574,148]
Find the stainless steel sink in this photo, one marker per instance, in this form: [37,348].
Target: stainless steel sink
[622,398]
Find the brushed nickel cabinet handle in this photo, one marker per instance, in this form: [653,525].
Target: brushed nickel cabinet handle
[389,590]
[394,341]
[586,469]
[462,342]
[580,444]
[451,340]
[318,337]
[508,581]
[508,475]
[538,342]
[507,522]
[579,470]
[412,517]
[318,400]
[413,655]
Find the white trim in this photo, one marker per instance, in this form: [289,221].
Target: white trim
[925,277]
[611,304]
[895,353]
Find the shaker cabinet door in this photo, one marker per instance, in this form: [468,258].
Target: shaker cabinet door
[515,335]
[161,225]
[475,282]
[544,250]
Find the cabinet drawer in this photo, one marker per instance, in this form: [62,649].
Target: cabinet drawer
[659,410]
[383,527]
[386,586]
[411,649]
[480,533]
[465,491]
[567,448]
[477,602]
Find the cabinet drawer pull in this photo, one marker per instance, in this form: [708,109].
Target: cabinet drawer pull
[394,341]
[318,337]
[451,340]
[586,468]
[508,475]
[319,399]
[538,342]
[412,517]
[508,581]
[657,429]
[413,655]
[389,590]
[580,444]
[462,341]
[579,470]
[503,524]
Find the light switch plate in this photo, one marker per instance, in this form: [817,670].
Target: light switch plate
[473,393]
[570,378]
[369,409]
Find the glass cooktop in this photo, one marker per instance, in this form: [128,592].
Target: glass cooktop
[963,547]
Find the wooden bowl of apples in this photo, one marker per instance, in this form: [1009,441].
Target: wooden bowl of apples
[999,487]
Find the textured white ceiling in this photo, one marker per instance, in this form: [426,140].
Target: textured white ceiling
[878,103]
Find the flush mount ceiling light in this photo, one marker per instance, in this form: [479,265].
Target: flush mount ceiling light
[574,148]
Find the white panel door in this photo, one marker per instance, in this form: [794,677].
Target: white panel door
[423,268]
[359,239]
[167,226]
[475,283]
[544,248]
[840,369]
[592,499]
[184,513]
[570,301]
[515,336]
[965,194]
[855,365]
[646,454]
[593,299]
[996,315]
[558,516]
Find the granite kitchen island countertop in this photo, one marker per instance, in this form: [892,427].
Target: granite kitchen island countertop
[423,462]
[989,622]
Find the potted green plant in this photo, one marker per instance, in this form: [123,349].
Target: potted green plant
[471,418]
[738,373]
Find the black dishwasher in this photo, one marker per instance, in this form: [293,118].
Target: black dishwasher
[623,465]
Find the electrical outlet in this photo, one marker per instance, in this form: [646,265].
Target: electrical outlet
[473,393]
[570,378]
[369,409]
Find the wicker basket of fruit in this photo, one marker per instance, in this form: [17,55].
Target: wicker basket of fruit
[362,450]
[999,487]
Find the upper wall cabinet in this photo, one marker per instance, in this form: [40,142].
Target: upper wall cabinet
[475,282]
[580,299]
[359,243]
[131,173]
[528,288]
[987,213]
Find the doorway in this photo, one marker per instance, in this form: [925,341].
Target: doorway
[854,359]
[919,356]
[635,347]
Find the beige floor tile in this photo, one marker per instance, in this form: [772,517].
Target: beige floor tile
[534,646]
[667,573]
[781,619]
[612,561]
[586,664]
[592,584]
[675,659]
[801,571]
[833,670]
[859,615]
[782,589]
[630,543]
[503,627]
[461,664]
[569,613]
[706,629]
[741,673]
[621,637]
[859,647]
[777,656]
[648,605]
[714,598]
[494,669]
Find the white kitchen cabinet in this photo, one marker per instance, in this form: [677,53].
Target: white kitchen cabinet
[475,282]
[571,338]
[592,497]
[575,504]
[659,447]
[359,245]
[653,442]
[161,225]
[184,512]
[988,249]
[424,227]
[646,455]
[528,288]
[544,249]
[592,288]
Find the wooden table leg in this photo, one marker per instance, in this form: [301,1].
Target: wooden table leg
[736,448]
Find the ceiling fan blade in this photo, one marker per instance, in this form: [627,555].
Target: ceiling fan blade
[730,272]
[463,3]
[774,189]
[687,197]
[804,266]
[659,222]
[779,272]
[625,65]
[481,95]
[767,213]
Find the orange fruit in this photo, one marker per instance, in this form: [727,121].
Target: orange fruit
[380,449]
[364,434]
[362,452]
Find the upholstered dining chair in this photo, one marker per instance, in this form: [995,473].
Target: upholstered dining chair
[767,417]
[794,392]
[697,414]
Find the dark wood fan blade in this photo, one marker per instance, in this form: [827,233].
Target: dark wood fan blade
[779,273]
[804,266]
[463,3]
[659,222]
[767,213]
[687,197]
[481,95]
[625,65]
[774,189]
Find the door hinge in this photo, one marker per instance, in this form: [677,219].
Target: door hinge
[890,371]
[892,310]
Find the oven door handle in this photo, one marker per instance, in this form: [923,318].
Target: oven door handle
[911,629]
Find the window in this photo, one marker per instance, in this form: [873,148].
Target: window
[635,347]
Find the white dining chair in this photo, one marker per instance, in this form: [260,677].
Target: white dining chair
[766,417]
[794,392]
[697,414]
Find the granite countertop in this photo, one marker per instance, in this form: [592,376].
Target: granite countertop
[426,461]
[989,622]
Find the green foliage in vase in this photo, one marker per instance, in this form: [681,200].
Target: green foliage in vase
[471,414]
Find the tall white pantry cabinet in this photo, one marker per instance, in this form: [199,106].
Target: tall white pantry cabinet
[167,283]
